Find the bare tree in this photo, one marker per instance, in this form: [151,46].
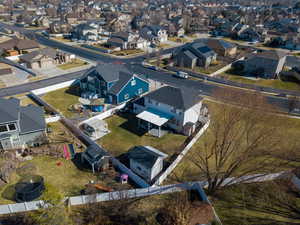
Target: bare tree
[240,141]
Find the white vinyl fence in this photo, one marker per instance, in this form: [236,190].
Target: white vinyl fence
[54,87]
[169,170]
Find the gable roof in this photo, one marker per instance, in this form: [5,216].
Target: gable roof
[31,119]
[275,55]
[199,49]
[219,43]
[21,44]
[9,110]
[179,98]
[146,155]
[109,71]
[38,54]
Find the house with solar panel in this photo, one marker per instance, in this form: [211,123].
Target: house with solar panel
[114,83]
[194,54]
[169,108]
[20,125]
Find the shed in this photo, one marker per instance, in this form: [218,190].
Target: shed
[96,157]
[146,161]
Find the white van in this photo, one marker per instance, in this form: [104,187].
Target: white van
[182,74]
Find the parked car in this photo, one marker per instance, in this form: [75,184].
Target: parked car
[182,74]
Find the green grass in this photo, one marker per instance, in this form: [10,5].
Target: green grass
[125,135]
[127,52]
[284,85]
[75,63]
[61,100]
[251,204]
[66,177]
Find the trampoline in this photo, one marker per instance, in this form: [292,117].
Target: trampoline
[29,188]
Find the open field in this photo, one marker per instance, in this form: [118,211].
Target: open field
[187,171]
[125,135]
[73,64]
[255,203]
[61,100]
[285,85]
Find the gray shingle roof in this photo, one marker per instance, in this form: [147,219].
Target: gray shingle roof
[179,98]
[110,72]
[31,119]
[146,155]
[123,80]
[9,110]
[36,55]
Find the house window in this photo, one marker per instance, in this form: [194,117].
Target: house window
[126,96]
[149,101]
[133,82]
[12,127]
[140,91]
[3,128]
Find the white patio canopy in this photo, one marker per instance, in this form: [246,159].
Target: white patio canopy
[155,117]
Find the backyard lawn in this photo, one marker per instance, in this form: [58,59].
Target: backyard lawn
[285,85]
[125,135]
[61,100]
[65,177]
[73,64]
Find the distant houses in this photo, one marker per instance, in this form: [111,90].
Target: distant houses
[112,82]
[154,34]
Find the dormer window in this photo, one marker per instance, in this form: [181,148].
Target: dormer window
[3,128]
[12,127]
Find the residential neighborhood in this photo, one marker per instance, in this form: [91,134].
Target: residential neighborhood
[149,112]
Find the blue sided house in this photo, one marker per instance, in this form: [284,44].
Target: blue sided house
[114,83]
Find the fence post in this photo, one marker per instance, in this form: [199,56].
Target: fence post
[25,205]
[10,209]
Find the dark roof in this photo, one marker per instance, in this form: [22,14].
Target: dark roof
[31,119]
[38,54]
[275,55]
[9,110]
[146,155]
[121,35]
[109,71]
[94,153]
[21,44]
[197,48]
[179,98]
[221,43]
[116,40]
[189,54]
[123,80]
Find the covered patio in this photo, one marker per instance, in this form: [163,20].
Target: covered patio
[153,120]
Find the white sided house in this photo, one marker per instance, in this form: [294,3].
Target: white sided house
[146,161]
[169,107]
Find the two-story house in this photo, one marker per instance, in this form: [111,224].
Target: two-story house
[267,64]
[127,40]
[113,82]
[194,54]
[154,33]
[20,126]
[175,108]
[146,161]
